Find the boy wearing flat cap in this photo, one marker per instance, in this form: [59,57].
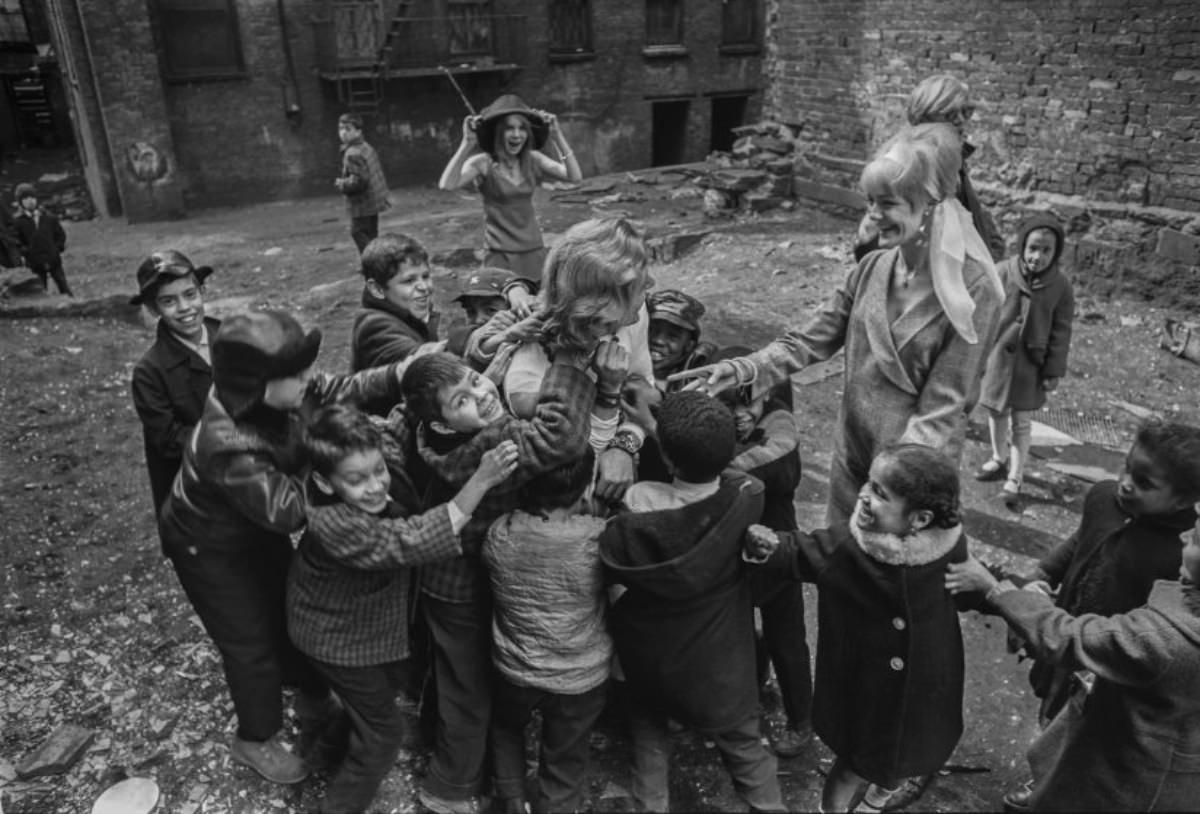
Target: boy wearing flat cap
[482,298]
[173,377]
[225,525]
[675,334]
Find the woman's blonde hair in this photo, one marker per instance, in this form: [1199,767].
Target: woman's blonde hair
[597,263]
[935,97]
[920,164]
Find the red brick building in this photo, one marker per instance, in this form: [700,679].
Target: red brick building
[191,103]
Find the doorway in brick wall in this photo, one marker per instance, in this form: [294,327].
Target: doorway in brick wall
[668,134]
[728,112]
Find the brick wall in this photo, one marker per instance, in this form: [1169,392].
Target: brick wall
[1094,98]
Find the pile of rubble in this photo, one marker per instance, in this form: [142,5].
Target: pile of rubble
[756,176]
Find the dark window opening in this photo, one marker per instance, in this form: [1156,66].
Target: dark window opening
[664,22]
[728,112]
[570,27]
[470,25]
[668,134]
[739,22]
[200,39]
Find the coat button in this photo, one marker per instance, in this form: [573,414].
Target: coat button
[897,663]
[898,623]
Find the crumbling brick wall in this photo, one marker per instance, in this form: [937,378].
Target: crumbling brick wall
[1095,98]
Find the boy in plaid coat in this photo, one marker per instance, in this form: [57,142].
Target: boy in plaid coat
[361,181]
[462,415]
[348,589]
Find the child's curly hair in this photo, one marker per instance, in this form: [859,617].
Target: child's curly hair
[334,433]
[1175,448]
[383,256]
[425,377]
[697,433]
[926,480]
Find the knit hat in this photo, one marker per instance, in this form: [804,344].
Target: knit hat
[254,348]
[492,115]
[677,308]
[486,282]
[162,267]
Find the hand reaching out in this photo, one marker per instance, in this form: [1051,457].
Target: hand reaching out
[524,329]
[497,464]
[968,576]
[761,542]
[522,301]
[710,379]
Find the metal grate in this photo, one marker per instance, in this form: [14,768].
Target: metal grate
[1090,429]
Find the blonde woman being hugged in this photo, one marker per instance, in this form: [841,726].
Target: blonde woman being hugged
[510,164]
[916,318]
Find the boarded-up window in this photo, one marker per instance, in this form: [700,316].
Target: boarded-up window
[664,22]
[200,38]
[570,26]
[739,22]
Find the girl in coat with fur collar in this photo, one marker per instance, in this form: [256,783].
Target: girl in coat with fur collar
[889,683]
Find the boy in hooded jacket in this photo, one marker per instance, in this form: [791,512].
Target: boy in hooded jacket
[684,626]
[1030,354]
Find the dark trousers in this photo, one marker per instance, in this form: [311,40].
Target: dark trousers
[750,766]
[363,230]
[461,639]
[54,270]
[567,722]
[376,732]
[239,596]
[785,640]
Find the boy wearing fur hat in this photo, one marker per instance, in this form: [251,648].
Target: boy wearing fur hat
[41,238]
[172,379]
[236,500]
[361,181]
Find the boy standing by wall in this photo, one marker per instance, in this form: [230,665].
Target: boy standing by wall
[172,380]
[361,181]
[41,238]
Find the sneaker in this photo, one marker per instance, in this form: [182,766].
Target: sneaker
[1010,493]
[876,798]
[791,741]
[270,759]
[992,470]
[908,792]
[1018,801]
[441,805]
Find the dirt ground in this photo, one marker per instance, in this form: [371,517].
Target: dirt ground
[96,632]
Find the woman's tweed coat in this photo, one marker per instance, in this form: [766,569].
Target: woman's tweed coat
[911,380]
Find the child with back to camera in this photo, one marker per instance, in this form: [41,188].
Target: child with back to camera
[1030,354]
[768,449]
[1128,537]
[889,682]
[550,643]
[461,415]
[684,626]
[348,588]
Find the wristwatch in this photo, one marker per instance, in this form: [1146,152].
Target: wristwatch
[625,440]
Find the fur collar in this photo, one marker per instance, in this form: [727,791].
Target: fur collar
[919,548]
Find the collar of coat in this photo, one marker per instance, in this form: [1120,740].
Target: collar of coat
[919,548]
[426,329]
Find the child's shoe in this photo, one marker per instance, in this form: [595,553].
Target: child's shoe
[1018,801]
[441,805]
[1011,494]
[792,740]
[270,759]
[992,470]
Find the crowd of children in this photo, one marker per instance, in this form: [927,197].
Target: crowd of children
[536,509]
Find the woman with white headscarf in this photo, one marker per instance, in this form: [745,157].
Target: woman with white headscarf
[945,99]
[916,319]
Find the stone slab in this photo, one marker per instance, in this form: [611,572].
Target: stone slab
[1180,247]
[57,753]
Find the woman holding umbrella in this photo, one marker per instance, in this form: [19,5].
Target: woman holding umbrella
[510,164]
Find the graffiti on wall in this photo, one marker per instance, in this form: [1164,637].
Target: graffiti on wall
[146,163]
